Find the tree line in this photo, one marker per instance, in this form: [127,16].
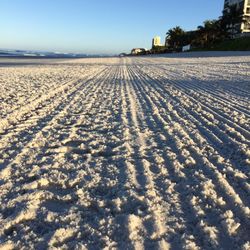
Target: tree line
[207,35]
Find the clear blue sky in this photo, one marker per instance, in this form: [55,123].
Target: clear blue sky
[97,26]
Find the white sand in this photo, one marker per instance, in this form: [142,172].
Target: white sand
[130,153]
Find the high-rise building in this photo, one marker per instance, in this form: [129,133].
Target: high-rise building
[244,7]
[156,41]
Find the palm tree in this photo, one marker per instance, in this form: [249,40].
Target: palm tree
[175,37]
[209,33]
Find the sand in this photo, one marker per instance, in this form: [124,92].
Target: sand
[126,153]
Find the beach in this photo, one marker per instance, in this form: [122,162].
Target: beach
[125,153]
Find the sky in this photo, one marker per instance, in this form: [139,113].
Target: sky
[97,26]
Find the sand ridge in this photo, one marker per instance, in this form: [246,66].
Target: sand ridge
[127,153]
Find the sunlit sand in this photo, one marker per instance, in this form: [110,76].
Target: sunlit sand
[143,152]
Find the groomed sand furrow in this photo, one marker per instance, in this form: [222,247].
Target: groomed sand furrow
[215,158]
[95,103]
[37,142]
[194,85]
[72,95]
[43,182]
[190,176]
[189,74]
[27,84]
[28,132]
[126,153]
[17,115]
[125,202]
[207,120]
[179,165]
[237,90]
[221,81]
[41,106]
[180,175]
[164,179]
[135,228]
[226,111]
[155,202]
[34,149]
[217,114]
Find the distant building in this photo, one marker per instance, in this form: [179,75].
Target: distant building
[156,42]
[244,6]
[137,51]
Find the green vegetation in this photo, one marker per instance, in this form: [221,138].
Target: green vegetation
[216,34]
[158,50]
[238,44]
[207,35]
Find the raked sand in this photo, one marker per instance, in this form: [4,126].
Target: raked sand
[125,153]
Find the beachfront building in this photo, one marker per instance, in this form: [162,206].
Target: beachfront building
[137,51]
[242,28]
[156,42]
